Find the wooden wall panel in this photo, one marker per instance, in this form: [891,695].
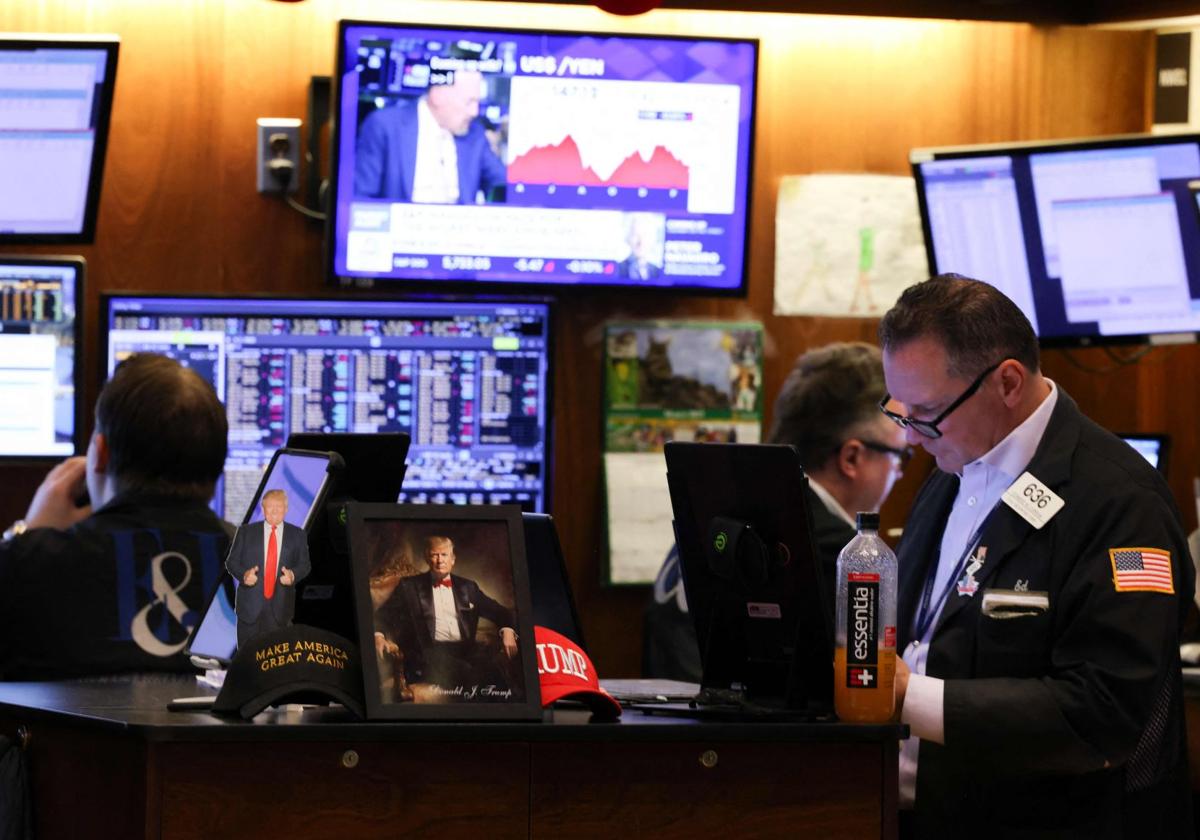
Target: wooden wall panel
[837,94]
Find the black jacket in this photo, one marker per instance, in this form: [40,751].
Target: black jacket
[408,618]
[247,552]
[119,591]
[1067,722]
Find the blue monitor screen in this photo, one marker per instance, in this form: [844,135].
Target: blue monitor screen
[537,157]
[1151,447]
[39,331]
[55,100]
[1095,241]
[467,380]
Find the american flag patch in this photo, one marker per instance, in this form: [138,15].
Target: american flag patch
[1142,570]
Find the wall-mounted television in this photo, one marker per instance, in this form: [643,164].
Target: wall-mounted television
[56,94]
[469,155]
[467,380]
[40,320]
[1098,241]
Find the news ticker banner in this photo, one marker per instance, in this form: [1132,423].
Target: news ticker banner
[664,381]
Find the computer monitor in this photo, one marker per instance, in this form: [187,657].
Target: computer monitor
[374,462]
[39,367]
[1097,241]
[473,154]
[56,94]
[1154,448]
[549,584]
[467,380]
[754,586]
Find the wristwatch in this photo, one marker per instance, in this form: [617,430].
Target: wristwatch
[15,530]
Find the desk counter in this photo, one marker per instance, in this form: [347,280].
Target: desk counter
[107,759]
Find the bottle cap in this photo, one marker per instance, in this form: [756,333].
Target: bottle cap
[868,521]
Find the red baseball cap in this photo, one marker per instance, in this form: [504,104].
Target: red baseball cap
[565,671]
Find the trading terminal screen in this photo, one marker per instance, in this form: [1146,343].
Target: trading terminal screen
[38,334]
[467,380]
[1097,241]
[56,95]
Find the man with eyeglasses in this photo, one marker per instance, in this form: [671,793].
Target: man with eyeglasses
[852,455]
[1043,580]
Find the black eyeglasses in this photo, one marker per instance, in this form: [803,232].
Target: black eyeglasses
[903,455]
[929,428]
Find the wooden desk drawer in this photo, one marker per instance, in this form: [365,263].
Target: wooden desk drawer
[292,790]
[686,790]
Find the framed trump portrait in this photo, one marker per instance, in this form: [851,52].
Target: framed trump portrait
[443,611]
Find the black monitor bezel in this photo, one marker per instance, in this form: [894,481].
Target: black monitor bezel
[110,45]
[483,285]
[918,157]
[751,483]
[105,317]
[79,264]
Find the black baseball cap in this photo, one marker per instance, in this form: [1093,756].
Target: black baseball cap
[297,664]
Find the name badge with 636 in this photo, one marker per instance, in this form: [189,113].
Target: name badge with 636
[1032,500]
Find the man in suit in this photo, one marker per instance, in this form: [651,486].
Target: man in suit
[644,238]
[828,410]
[268,559]
[432,150]
[111,565]
[432,619]
[1044,576]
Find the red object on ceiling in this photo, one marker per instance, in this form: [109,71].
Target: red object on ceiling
[627,7]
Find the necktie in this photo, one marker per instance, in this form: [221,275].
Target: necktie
[444,582]
[272,565]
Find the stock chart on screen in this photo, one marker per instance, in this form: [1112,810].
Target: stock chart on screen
[516,156]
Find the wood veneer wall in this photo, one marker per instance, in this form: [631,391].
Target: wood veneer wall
[179,211]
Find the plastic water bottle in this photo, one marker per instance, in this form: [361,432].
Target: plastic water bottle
[864,655]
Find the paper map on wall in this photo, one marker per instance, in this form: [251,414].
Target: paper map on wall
[846,245]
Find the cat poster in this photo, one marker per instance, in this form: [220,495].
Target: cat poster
[669,380]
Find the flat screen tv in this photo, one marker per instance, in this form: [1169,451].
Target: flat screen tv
[56,94]
[467,380]
[469,155]
[1098,241]
[40,318]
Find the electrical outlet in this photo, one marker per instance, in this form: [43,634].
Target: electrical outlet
[278,139]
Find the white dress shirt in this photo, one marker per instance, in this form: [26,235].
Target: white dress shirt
[445,615]
[435,180]
[982,483]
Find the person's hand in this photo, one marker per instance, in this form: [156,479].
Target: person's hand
[902,674]
[250,576]
[508,638]
[385,647]
[287,577]
[53,504]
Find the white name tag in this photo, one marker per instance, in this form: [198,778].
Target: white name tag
[1033,501]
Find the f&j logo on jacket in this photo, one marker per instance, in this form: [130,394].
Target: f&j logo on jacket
[159,588]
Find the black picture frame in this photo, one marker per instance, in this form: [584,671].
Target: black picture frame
[471,679]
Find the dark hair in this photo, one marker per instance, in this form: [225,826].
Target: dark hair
[166,430]
[976,324]
[830,390]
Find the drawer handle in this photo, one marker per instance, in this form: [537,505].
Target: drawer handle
[350,759]
[708,759]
